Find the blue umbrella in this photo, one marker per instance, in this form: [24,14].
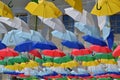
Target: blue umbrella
[93,40]
[25,46]
[2,46]
[87,29]
[73,44]
[45,45]
[110,39]
[15,37]
[68,35]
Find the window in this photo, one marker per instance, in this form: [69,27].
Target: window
[115,23]
[23,16]
[68,22]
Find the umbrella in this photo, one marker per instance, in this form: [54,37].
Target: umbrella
[53,53]
[64,59]
[5,11]
[7,52]
[35,53]
[87,29]
[46,45]
[15,23]
[102,49]
[2,45]
[2,28]
[73,44]
[94,40]
[44,9]
[76,4]
[25,46]
[116,52]
[84,17]
[54,23]
[15,37]
[17,59]
[105,7]
[110,39]
[68,35]
[81,52]
[11,38]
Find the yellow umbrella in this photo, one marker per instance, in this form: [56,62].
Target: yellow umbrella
[51,64]
[44,9]
[106,7]
[76,4]
[5,11]
[70,64]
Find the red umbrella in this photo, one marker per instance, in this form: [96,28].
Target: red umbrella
[80,52]
[35,53]
[8,52]
[100,49]
[1,57]
[53,53]
[116,52]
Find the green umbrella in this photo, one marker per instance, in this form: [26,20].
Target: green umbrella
[103,56]
[17,59]
[3,62]
[64,78]
[105,79]
[85,58]
[39,60]
[63,59]
[47,59]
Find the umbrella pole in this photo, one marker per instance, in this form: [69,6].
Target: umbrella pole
[36,22]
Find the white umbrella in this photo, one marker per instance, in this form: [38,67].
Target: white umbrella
[15,23]
[2,28]
[85,17]
[54,23]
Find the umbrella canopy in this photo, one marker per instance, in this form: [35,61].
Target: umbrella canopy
[2,28]
[7,52]
[53,23]
[25,46]
[84,17]
[5,11]
[105,7]
[46,45]
[73,44]
[81,52]
[102,49]
[15,23]
[94,40]
[15,37]
[35,53]
[44,9]
[87,29]
[53,53]
[116,52]
[2,45]
[17,59]
[76,4]
[68,35]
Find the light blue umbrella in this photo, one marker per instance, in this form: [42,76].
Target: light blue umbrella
[87,29]
[33,36]
[11,38]
[68,35]
[15,37]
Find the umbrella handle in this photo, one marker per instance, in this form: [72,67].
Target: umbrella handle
[97,7]
[10,4]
